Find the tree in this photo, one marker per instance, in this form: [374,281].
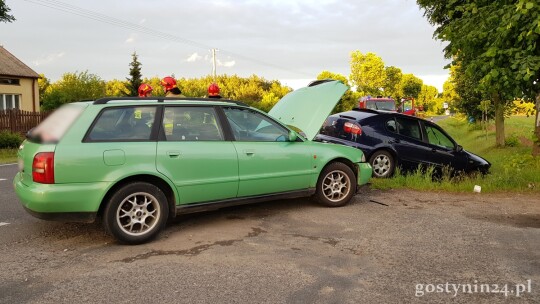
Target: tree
[73,87]
[135,75]
[467,97]
[496,43]
[367,73]
[117,88]
[449,95]
[43,84]
[254,90]
[427,97]
[155,83]
[349,100]
[391,85]
[4,13]
[411,86]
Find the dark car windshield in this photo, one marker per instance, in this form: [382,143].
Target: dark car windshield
[381,105]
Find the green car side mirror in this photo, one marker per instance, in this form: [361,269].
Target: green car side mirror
[292,136]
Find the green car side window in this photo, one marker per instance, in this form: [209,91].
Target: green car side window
[249,125]
[191,124]
[123,124]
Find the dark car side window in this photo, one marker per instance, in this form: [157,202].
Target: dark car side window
[438,138]
[391,126]
[408,127]
[123,124]
[191,124]
[329,127]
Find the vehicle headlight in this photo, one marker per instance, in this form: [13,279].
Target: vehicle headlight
[363,159]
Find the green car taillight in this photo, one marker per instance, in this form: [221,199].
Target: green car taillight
[43,168]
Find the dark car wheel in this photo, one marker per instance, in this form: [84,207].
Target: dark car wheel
[136,213]
[382,163]
[336,185]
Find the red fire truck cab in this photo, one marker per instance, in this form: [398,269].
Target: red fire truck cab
[405,106]
[378,103]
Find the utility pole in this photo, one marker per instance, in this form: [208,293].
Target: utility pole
[214,63]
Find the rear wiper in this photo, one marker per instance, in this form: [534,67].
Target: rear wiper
[35,138]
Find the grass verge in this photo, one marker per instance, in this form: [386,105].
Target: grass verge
[8,156]
[512,168]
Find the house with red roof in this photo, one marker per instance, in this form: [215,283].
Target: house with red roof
[18,84]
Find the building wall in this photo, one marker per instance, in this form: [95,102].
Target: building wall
[25,90]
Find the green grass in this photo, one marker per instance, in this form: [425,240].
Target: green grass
[512,168]
[8,156]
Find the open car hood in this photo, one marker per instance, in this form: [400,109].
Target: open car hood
[307,108]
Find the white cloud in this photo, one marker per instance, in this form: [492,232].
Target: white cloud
[227,64]
[49,58]
[194,57]
[296,83]
[131,38]
[143,20]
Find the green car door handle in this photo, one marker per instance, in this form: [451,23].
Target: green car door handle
[249,152]
[173,154]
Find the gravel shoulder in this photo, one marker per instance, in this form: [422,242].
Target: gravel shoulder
[375,250]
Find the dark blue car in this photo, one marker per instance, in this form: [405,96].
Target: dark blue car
[391,139]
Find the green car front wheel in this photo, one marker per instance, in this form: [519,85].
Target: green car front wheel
[336,185]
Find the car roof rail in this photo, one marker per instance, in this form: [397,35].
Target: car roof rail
[105,100]
[366,110]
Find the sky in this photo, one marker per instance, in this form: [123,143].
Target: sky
[288,40]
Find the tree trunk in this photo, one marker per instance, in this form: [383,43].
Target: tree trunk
[499,120]
[536,142]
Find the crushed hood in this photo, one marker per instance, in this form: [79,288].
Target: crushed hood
[307,108]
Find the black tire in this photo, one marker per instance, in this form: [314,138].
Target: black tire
[382,163]
[336,185]
[131,206]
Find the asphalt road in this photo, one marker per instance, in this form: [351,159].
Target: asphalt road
[375,250]
[436,119]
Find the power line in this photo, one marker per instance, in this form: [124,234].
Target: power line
[89,14]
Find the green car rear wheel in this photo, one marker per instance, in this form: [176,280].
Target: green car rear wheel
[136,213]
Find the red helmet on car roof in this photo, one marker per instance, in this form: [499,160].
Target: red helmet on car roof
[144,90]
[168,83]
[213,91]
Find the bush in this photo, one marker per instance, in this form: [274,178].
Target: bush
[512,141]
[10,140]
[476,126]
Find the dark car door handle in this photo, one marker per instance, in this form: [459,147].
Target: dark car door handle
[395,141]
[173,154]
[434,150]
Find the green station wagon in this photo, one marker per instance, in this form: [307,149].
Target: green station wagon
[137,162]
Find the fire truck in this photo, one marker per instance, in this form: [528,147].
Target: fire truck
[378,103]
[405,106]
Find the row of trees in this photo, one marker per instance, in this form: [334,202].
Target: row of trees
[255,91]
[495,52]
[368,74]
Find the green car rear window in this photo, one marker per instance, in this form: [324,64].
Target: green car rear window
[55,126]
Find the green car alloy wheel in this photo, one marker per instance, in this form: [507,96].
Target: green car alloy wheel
[136,213]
